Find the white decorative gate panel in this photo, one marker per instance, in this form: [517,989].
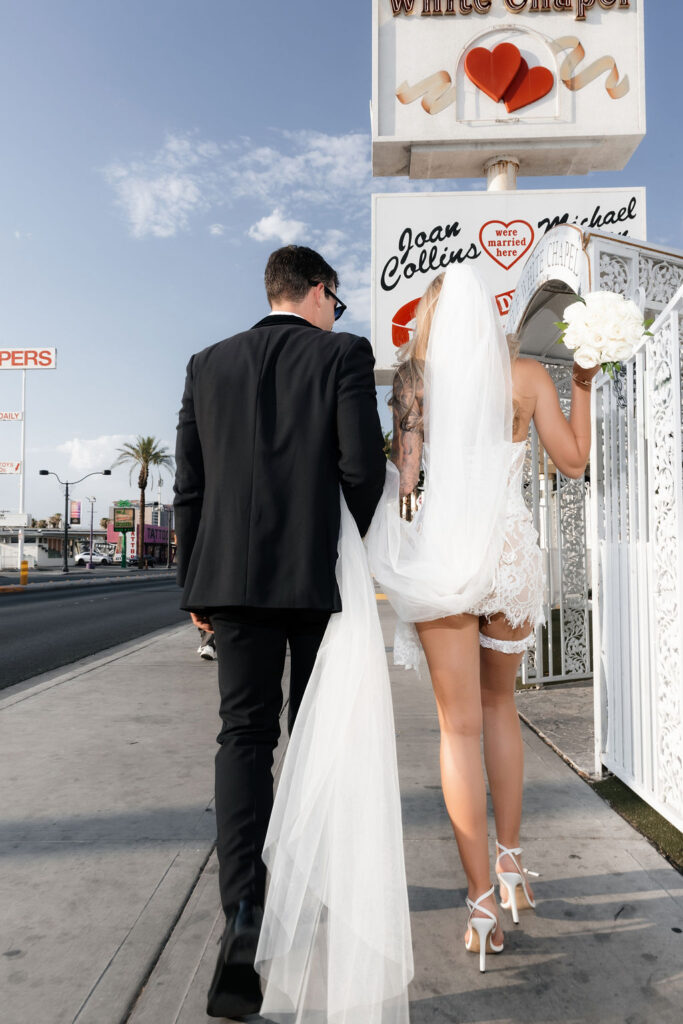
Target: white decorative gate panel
[637,530]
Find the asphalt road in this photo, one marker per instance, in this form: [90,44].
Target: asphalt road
[41,631]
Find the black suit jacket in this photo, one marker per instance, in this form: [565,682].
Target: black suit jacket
[272,421]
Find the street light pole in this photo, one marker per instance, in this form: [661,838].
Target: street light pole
[92,505]
[65,567]
[66,484]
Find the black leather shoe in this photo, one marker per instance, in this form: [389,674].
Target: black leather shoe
[235,989]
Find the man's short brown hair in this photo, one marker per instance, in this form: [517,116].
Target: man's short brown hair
[290,271]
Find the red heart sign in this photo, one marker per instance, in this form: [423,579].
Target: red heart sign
[400,332]
[492,71]
[527,86]
[506,243]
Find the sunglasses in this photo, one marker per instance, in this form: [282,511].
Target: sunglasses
[339,306]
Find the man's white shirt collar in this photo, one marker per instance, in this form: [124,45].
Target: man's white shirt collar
[284,312]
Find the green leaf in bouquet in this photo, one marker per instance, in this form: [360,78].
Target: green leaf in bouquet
[648,323]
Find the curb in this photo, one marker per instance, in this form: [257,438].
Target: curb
[52,585]
[35,685]
[581,772]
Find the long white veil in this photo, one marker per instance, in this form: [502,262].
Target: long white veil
[335,944]
[444,562]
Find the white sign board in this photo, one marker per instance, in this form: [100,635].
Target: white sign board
[28,358]
[20,519]
[415,237]
[10,468]
[558,84]
[11,417]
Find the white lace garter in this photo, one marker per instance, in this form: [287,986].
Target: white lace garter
[507,646]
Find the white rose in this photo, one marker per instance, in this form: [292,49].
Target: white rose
[587,356]
[616,352]
[614,329]
[603,301]
[575,313]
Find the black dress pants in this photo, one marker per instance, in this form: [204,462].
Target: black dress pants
[251,646]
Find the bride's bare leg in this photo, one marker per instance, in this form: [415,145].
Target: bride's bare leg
[451,646]
[503,748]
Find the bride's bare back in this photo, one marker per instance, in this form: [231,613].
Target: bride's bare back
[535,397]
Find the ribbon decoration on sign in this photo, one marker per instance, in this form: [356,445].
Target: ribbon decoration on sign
[613,86]
[436,91]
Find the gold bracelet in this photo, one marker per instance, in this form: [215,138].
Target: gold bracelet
[584,384]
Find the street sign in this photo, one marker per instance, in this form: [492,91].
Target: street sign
[10,468]
[11,417]
[75,513]
[28,358]
[20,519]
[124,518]
[416,236]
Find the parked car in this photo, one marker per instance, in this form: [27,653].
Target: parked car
[98,558]
[133,559]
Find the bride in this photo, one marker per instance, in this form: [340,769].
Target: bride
[465,576]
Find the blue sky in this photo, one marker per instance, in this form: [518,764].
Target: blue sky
[154,154]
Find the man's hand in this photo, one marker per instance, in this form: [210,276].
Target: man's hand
[201,622]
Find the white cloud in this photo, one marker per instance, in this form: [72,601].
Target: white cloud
[156,206]
[332,244]
[159,194]
[87,456]
[277,227]
[23,236]
[303,186]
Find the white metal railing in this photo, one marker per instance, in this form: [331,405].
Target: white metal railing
[558,506]
[637,556]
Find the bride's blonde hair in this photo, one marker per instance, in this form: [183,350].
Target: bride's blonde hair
[411,358]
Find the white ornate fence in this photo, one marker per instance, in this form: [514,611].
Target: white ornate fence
[637,542]
[558,507]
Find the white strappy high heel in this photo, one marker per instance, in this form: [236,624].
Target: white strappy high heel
[510,899]
[481,929]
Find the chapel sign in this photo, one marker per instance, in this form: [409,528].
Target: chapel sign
[558,84]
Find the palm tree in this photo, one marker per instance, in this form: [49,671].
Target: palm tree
[143,454]
[55,521]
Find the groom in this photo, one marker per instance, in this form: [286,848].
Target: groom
[273,421]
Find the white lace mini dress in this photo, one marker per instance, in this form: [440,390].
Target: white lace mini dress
[517,591]
[518,587]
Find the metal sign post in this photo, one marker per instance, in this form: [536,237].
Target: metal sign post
[22,477]
[124,523]
[24,359]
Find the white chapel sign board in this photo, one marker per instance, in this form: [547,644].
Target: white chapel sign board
[558,84]
[416,236]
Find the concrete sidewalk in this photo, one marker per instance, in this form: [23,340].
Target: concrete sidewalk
[109,889]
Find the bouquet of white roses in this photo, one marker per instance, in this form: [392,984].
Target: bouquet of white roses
[604,328]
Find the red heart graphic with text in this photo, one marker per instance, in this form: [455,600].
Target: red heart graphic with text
[527,86]
[400,332]
[493,71]
[506,243]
